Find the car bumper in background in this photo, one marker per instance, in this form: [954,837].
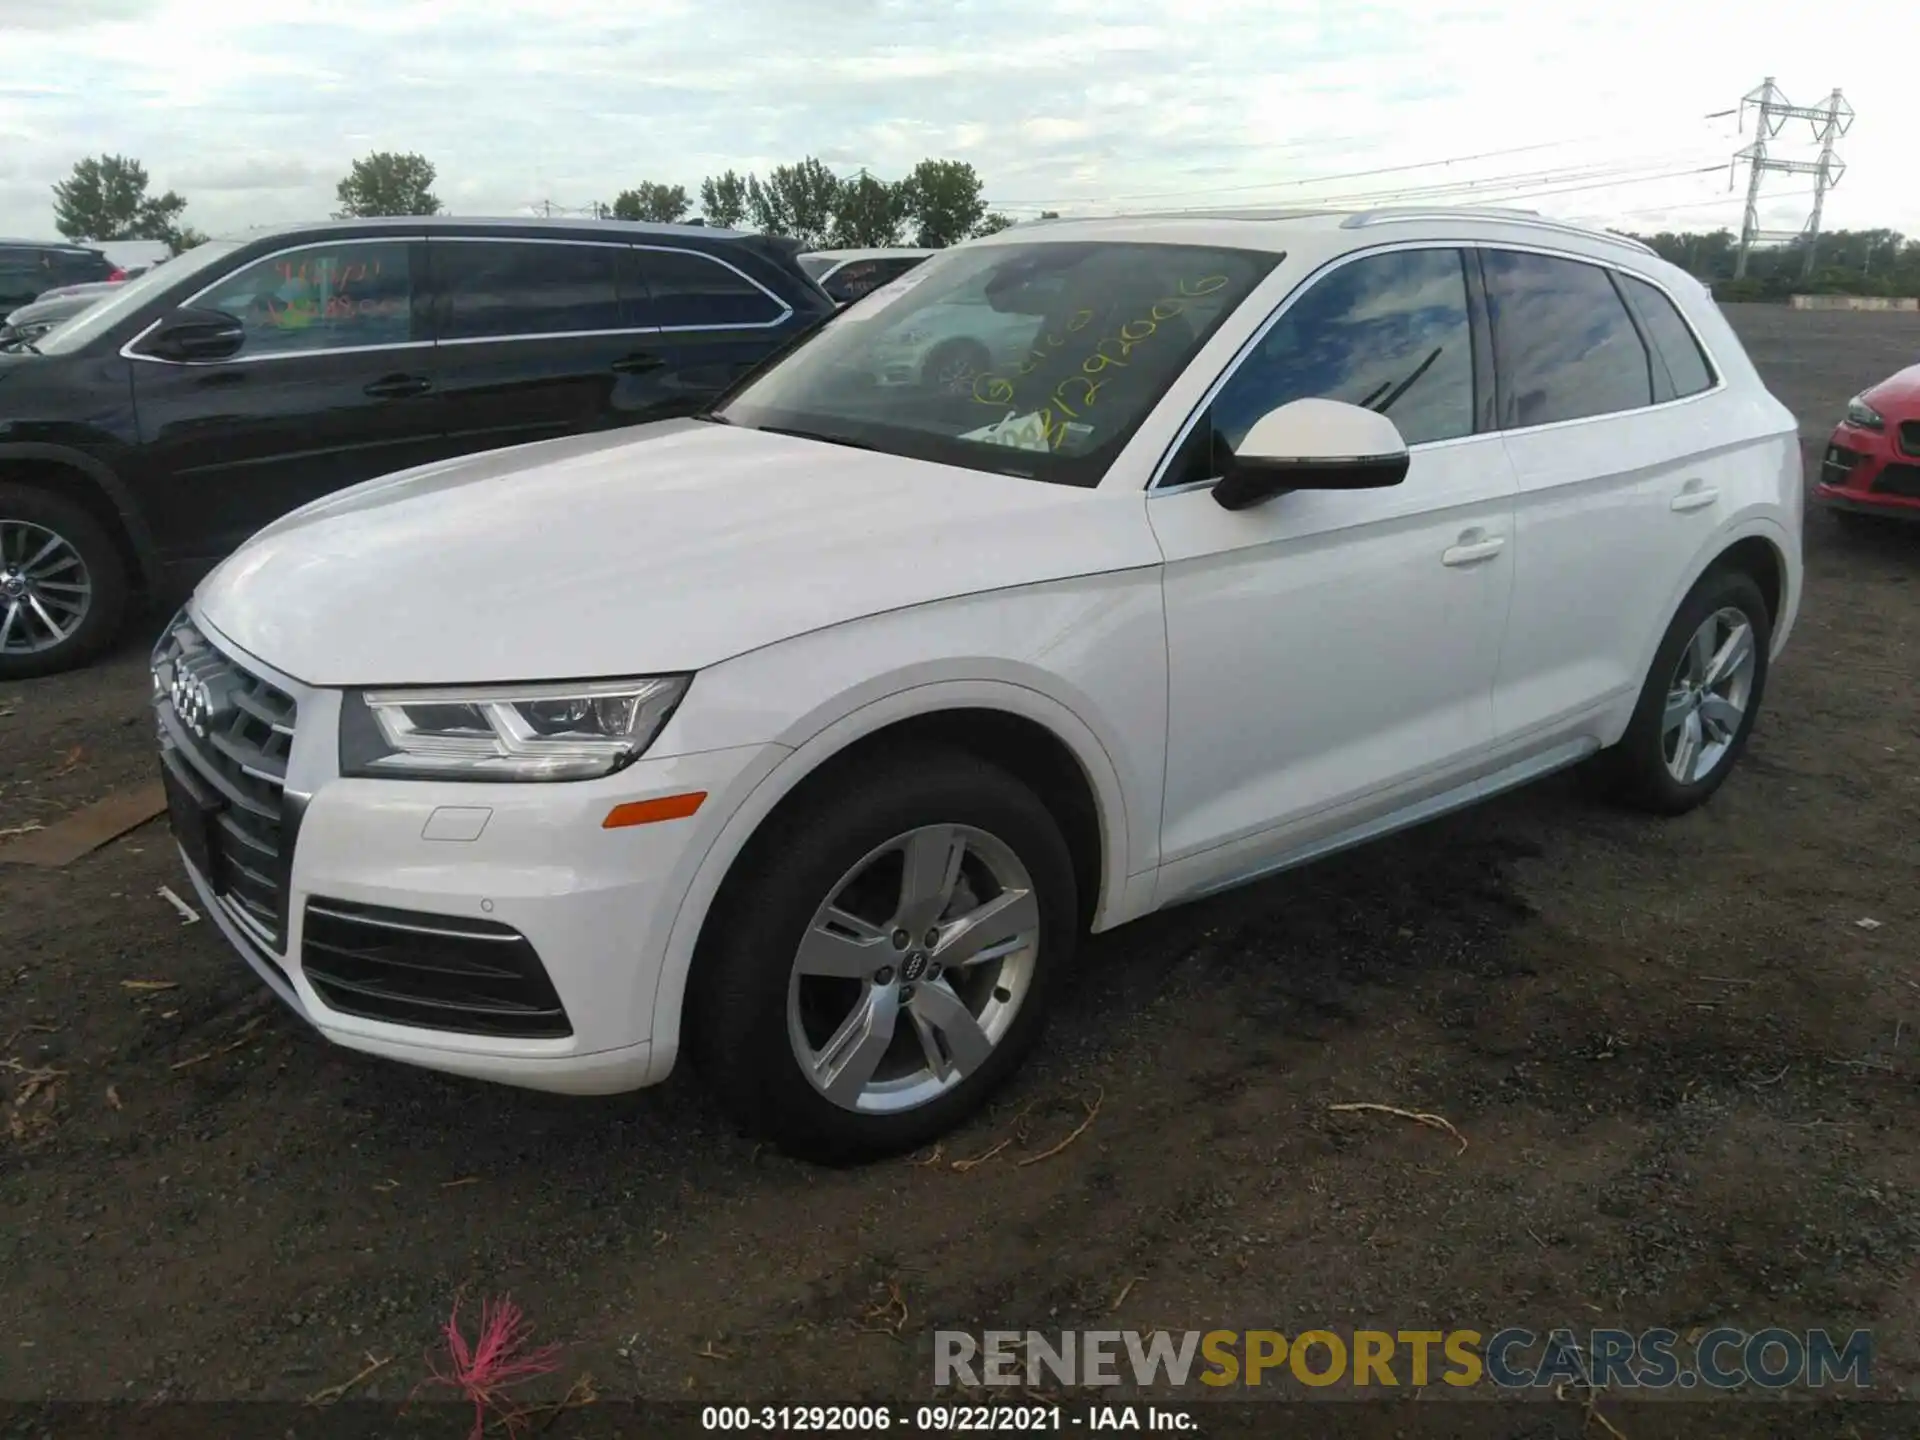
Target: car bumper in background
[1872,471]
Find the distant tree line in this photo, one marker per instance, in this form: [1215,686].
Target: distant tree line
[1846,262]
[937,203]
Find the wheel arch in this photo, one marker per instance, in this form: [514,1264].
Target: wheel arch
[88,481]
[1034,736]
[1760,547]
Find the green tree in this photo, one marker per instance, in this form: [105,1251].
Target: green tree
[185,238]
[650,200]
[388,183]
[798,201]
[106,199]
[992,223]
[723,200]
[942,199]
[867,213]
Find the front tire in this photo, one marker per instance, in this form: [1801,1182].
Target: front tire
[885,957]
[1700,699]
[63,584]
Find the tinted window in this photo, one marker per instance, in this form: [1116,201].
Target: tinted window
[1389,332]
[328,297]
[688,288]
[1564,342]
[1671,338]
[1074,343]
[859,278]
[494,287]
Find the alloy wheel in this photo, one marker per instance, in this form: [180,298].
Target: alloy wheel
[913,969]
[1708,696]
[45,588]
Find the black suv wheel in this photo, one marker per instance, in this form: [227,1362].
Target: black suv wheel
[63,584]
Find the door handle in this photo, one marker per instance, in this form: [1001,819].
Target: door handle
[637,364]
[398,387]
[1471,551]
[1695,495]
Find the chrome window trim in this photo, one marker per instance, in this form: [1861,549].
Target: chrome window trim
[1212,392]
[127,352]
[786,310]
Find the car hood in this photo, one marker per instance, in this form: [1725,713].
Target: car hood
[1900,391]
[653,550]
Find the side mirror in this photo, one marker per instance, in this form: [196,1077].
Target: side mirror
[189,334]
[1313,445]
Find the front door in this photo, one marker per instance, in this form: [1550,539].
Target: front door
[331,386]
[1332,654]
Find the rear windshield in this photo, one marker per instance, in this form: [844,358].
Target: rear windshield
[1036,359]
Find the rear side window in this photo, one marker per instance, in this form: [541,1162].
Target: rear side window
[1673,341]
[77,267]
[1566,347]
[690,290]
[327,297]
[859,278]
[503,289]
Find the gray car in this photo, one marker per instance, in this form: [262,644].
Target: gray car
[34,319]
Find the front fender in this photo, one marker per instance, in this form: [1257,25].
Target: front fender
[1118,899]
[94,471]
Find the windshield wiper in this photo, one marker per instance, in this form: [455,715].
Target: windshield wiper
[824,436]
[1404,386]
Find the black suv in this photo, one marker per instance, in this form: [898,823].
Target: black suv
[30,268]
[146,439]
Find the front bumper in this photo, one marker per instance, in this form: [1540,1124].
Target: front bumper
[479,861]
[1872,471]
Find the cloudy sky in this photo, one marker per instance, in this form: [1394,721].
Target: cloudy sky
[1583,109]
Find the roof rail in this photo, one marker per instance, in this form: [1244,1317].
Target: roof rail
[1387,215]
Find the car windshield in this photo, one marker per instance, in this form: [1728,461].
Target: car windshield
[94,322]
[1037,359]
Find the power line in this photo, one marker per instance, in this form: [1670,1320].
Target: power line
[1772,110]
[1318,179]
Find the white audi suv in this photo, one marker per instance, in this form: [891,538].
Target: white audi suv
[805,736]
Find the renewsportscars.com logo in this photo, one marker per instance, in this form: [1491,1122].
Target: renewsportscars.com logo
[1509,1359]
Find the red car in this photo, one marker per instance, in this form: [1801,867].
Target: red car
[1872,464]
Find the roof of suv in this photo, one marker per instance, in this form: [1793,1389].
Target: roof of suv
[1274,229]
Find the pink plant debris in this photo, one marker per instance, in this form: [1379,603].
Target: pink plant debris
[497,1360]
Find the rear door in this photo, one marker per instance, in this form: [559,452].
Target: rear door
[538,338]
[332,386]
[1616,495]
[715,322]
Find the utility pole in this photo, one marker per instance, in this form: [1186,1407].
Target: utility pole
[1774,110]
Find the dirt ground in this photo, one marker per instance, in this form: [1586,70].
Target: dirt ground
[1684,1065]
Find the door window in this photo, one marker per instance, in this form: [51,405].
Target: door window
[860,278]
[324,297]
[502,289]
[1564,342]
[692,290]
[1671,337]
[1389,332]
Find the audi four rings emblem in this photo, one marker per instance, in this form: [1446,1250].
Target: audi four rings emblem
[199,700]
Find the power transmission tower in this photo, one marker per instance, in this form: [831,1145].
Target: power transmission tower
[1829,122]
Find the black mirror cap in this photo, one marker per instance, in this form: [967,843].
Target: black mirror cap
[189,334]
[1247,483]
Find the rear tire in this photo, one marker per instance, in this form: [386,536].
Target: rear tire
[1699,701]
[63,584]
[792,1006]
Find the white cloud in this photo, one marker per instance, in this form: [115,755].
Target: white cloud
[1062,104]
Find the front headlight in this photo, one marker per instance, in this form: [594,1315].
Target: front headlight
[572,731]
[1860,413]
